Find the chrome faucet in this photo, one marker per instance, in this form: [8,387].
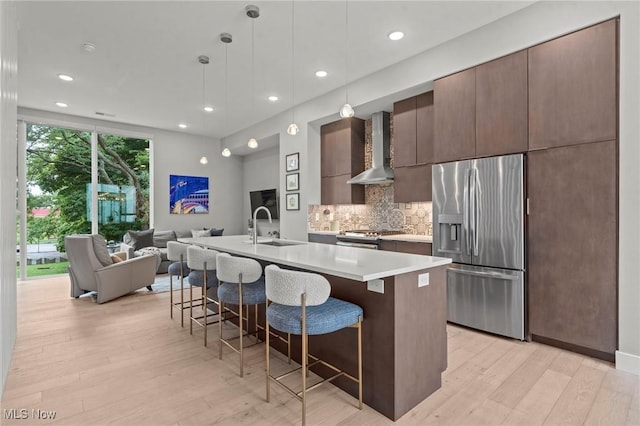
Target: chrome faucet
[255,224]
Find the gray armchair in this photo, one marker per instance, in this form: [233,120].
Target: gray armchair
[91,269]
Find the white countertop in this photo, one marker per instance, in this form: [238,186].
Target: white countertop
[347,262]
[408,237]
[324,232]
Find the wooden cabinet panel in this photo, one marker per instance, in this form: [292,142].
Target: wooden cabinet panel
[573,88]
[388,245]
[342,157]
[424,128]
[455,117]
[322,238]
[501,106]
[404,133]
[572,245]
[412,184]
[336,190]
[414,247]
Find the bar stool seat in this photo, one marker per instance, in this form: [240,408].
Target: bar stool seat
[176,268]
[252,293]
[332,315]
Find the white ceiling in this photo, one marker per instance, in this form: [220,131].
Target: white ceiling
[145,71]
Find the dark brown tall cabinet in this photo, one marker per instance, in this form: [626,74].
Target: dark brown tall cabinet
[413,148]
[342,157]
[572,183]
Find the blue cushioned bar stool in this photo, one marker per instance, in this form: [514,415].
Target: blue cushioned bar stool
[202,263]
[241,283]
[177,254]
[299,303]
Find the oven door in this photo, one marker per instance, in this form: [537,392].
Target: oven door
[371,246]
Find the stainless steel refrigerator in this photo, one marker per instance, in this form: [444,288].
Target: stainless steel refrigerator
[478,221]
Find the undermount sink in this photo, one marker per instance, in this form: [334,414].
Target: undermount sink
[280,243]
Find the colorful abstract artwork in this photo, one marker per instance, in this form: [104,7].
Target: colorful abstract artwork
[188,194]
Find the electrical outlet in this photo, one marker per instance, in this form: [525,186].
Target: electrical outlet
[423,279]
[376,286]
[317,216]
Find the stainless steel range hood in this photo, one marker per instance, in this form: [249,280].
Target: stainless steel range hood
[380,172]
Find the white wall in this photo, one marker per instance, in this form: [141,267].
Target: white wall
[8,161]
[175,153]
[260,171]
[537,23]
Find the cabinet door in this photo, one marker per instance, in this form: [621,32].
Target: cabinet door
[573,88]
[412,184]
[388,245]
[572,245]
[455,117]
[414,247]
[327,149]
[356,145]
[404,133]
[501,106]
[336,190]
[424,128]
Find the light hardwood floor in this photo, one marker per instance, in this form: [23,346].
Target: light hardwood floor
[126,362]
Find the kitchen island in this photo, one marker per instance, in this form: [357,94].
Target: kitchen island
[404,301]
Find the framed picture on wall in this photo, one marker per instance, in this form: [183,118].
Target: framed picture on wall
[293,201]
[293,182]
[293,162]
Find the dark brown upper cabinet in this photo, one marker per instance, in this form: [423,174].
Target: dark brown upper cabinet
[573,88]
[342,157]
[455,117]
[501,106]
[413,148]
[413,131]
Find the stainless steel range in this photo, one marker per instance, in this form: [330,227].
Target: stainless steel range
[364,238]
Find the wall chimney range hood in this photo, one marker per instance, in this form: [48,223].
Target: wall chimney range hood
[380,172]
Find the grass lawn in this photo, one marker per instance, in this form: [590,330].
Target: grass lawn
[46,269]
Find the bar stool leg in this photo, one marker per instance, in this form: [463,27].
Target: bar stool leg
[304,359]
[360,365]
[181,291]
[191,309]
[171,295]
[266,327]
[240,321]
[220,308]
[204,303]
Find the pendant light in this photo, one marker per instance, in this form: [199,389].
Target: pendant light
[293,127]
[347,110]
[252,12]
[204,60]
[226,38]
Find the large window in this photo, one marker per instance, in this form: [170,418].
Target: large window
[60,191]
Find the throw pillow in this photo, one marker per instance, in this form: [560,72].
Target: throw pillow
[118,257]
[217,232]
[160,238]
[195,233]
[100,249]
[139,239]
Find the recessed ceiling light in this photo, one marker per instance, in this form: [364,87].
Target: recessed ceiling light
[65,77]
[208,109]
[226,152]
[89,47]
[62,104]
[396,35]
[182,126]
[321,73]
[273,98]
[253,143]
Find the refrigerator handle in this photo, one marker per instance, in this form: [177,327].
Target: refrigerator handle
[465,213]
[473,212]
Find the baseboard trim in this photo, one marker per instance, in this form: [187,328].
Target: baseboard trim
[628,362]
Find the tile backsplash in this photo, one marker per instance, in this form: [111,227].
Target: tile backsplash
[379,212]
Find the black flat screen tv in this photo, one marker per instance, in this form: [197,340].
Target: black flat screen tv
[266,198]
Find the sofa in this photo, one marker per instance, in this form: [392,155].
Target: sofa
[150,241]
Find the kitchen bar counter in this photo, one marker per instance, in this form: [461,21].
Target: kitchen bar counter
[345,262]
[404,300]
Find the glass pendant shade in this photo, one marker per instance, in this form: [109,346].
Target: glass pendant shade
[253,143]
[203,160]
[293,129]
[226,152]
[346,111]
